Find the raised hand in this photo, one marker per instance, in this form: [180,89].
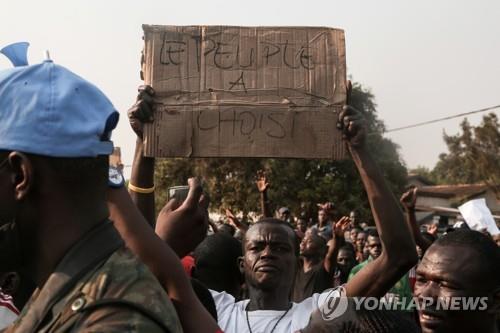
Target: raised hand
[341,226]
[233,220]
[353,126]
[184,225]
[142,111]
[338,228]
[399,253]
[142,174]
[261,181]
[432,229]
[409,199]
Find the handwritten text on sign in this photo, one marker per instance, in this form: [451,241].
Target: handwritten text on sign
[230,55]
[224,132]
[245,69]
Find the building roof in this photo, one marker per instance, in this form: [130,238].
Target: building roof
[461,191]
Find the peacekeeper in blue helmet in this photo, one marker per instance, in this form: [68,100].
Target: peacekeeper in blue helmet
[55,131]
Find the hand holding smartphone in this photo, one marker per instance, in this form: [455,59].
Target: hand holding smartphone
[178,192]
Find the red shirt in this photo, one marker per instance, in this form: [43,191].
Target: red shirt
[188,264]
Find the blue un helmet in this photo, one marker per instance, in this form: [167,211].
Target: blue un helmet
[45,109]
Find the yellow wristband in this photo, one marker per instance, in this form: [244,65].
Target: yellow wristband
[140,189]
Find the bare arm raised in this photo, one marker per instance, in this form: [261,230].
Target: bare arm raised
[141,186]
[398,248]
[334,244]
[409,199]
[160,258]
[263,185]
[235,222]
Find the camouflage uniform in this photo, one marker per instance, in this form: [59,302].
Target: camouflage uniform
[99,286]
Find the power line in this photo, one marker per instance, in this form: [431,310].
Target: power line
[441,119]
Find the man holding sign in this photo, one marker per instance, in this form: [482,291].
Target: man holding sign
[270,250]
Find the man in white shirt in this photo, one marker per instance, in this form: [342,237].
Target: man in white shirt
[269,264]
[271,255]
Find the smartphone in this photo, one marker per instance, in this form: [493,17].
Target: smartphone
[178,192]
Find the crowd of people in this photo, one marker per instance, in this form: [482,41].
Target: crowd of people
[81,253]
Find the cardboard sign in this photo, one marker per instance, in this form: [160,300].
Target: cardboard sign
[245,91]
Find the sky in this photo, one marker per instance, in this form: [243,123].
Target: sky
[421,59]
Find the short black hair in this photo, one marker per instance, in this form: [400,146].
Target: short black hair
[216,262]
[373,233]
[274,221]
[219,250]
[321,242]
[227,229]
[483,245]
[348,248]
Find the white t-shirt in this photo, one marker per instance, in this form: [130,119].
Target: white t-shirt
[232,315]
[8,311]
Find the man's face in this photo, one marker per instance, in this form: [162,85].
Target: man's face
[360,241]
[445,272]
[374,246]
[354,235]
[302,225]
[269,260]
[285,215]
[346,261]
[322,216]
[353,217]
[310,245]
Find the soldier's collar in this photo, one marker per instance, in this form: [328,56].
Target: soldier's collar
[97,245]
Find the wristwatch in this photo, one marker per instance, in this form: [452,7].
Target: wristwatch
[115,179]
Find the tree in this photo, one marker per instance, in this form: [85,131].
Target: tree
[473,155]
[296,183]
